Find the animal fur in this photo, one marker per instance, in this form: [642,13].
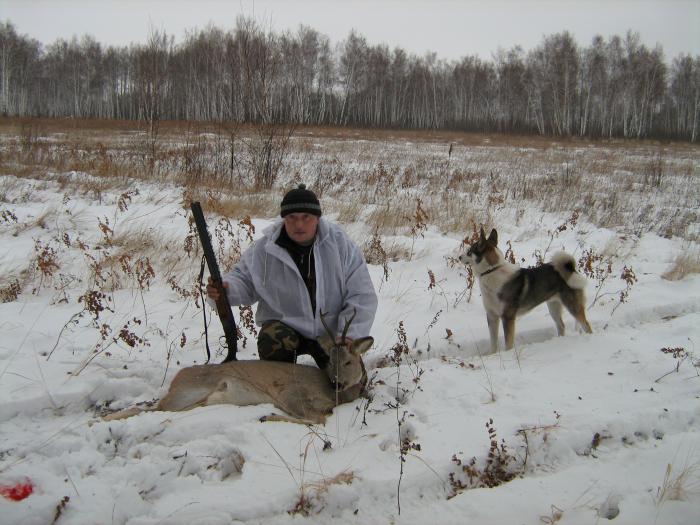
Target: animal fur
[508,291]
[305,394]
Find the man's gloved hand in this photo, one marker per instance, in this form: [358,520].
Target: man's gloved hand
[213,292]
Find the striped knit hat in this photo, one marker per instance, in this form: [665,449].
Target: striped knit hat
[300,200]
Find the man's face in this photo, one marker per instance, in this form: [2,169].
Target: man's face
[301,227]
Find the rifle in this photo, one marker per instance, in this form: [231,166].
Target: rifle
[222,305]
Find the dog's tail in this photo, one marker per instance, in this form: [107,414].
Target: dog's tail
[565,265]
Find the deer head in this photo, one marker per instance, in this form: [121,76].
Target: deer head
[345,368]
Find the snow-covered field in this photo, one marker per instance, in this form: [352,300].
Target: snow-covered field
[590,427]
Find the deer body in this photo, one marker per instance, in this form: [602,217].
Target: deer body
[303,392]
[306,394]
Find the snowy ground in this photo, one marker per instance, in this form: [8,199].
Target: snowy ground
[589,423]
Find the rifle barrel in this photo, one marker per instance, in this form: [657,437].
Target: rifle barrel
[223,307]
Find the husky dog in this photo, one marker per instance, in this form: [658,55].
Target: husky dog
[508,290]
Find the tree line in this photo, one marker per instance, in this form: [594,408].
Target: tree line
[615,87]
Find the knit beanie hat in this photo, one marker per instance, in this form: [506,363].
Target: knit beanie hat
[300,200]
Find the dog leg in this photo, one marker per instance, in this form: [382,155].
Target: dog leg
[576,307]
[555,312]
[582,321]
[509,332]
[493,321]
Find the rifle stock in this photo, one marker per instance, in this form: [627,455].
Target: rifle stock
[223,307]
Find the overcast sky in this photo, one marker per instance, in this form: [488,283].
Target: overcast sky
[451,28]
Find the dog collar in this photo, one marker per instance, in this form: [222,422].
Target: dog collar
[490,270]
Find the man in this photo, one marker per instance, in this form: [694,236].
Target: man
[303,266]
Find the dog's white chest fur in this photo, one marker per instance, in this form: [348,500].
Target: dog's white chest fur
[491,284]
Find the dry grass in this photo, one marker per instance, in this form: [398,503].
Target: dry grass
[374,176]
[391,217]
[106,129]
[41,221]
[343,478]
[10,291]
[140,239]
[254,204]
[397,251]
[311,494]
[455,214]
[348,211]
[681,485]
[686,263]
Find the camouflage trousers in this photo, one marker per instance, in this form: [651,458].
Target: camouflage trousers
[279,342]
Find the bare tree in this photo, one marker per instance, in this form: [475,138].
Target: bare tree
[266,149]
[152,76]
[250,76]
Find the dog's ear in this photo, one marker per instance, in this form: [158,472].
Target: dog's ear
[494,237]
[483,235]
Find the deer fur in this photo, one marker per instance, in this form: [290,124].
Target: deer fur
[305,394]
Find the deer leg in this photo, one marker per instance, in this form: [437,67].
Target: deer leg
[123,414]
[281,418]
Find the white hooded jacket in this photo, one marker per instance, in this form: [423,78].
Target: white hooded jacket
[267,275]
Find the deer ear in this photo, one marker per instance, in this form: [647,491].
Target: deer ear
[494,236]
[483,235]
[360,346]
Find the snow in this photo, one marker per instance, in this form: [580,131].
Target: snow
[591,420]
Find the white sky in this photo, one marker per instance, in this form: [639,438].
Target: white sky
[451,28]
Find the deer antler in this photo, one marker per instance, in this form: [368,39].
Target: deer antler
[347,325]
[325,325]
[345,328]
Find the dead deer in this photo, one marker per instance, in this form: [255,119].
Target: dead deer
[306,394]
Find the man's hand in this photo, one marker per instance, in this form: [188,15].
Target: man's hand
[213,291]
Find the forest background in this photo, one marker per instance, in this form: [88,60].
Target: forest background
[614,87]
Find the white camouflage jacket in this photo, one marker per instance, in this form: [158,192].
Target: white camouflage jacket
[267,275]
